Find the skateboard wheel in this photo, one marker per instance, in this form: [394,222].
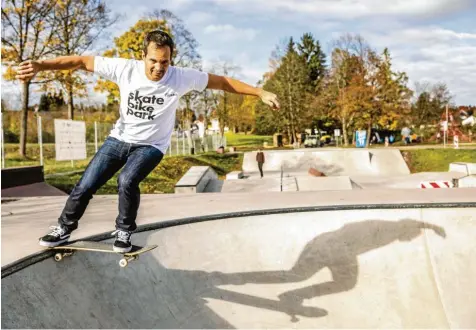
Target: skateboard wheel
[58,257]
[123,263]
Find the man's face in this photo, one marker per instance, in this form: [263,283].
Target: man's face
[156,61]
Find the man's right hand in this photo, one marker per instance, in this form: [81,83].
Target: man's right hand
[27,70]
[269,99]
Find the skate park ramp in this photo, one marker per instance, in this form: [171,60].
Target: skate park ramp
[331,169]
[397,267]
[331,162]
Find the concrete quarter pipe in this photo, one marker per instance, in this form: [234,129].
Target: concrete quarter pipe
[410,267]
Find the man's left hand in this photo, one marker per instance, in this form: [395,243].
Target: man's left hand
[270,99]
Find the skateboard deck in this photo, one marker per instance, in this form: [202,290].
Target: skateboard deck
[69,249]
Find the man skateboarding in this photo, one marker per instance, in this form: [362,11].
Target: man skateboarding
[150,90]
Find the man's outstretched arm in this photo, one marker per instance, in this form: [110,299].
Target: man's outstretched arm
[235,86]
[28,69]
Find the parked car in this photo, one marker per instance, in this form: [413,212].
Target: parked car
[313,141]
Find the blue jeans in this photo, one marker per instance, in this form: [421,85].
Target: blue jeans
[138,162]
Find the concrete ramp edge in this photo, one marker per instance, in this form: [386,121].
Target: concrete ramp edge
[38,257]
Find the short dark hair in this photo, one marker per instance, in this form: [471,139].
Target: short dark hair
[159,38]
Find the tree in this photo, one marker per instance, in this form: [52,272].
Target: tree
[430,102]
[275,61]
[26,35]
[362,89]
[441,97]
[242,114]
[205,102]
[422,108]
[188,102]
[59,99]
[311,52]
[390,95]
[184,116]
[289,84]
[44,103]
[347,92]
[79,25]
[289,81]
[343,88]
[266,121]
[236,116]
[220,98]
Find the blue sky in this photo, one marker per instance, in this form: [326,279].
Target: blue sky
[432,40]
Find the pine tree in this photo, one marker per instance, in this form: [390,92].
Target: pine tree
[44,103]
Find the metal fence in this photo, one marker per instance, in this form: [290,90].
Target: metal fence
[185,143]
[41,142]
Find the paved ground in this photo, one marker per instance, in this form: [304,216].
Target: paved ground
[347,268]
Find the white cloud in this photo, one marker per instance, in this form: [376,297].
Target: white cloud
[198,17]
[434,54]
[244,68]
[349,8]
[228,32]
[428,35]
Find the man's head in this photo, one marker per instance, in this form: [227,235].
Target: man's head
[157,54]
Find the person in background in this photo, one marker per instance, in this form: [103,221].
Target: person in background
[392,138]
[260,160]
[201,131]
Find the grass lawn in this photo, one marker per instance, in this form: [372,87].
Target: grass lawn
[248,142]
[164,177]
[50,165]
[436,160]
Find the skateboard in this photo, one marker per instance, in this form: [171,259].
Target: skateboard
[68,250]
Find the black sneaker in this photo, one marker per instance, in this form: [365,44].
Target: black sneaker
[123,241]
[57,236]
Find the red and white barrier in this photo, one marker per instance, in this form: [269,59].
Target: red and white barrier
[436,184]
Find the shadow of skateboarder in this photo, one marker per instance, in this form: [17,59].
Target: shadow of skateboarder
[338,251]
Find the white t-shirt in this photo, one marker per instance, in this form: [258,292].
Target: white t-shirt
[147,108]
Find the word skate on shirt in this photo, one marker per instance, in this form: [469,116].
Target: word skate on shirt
[147,108]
